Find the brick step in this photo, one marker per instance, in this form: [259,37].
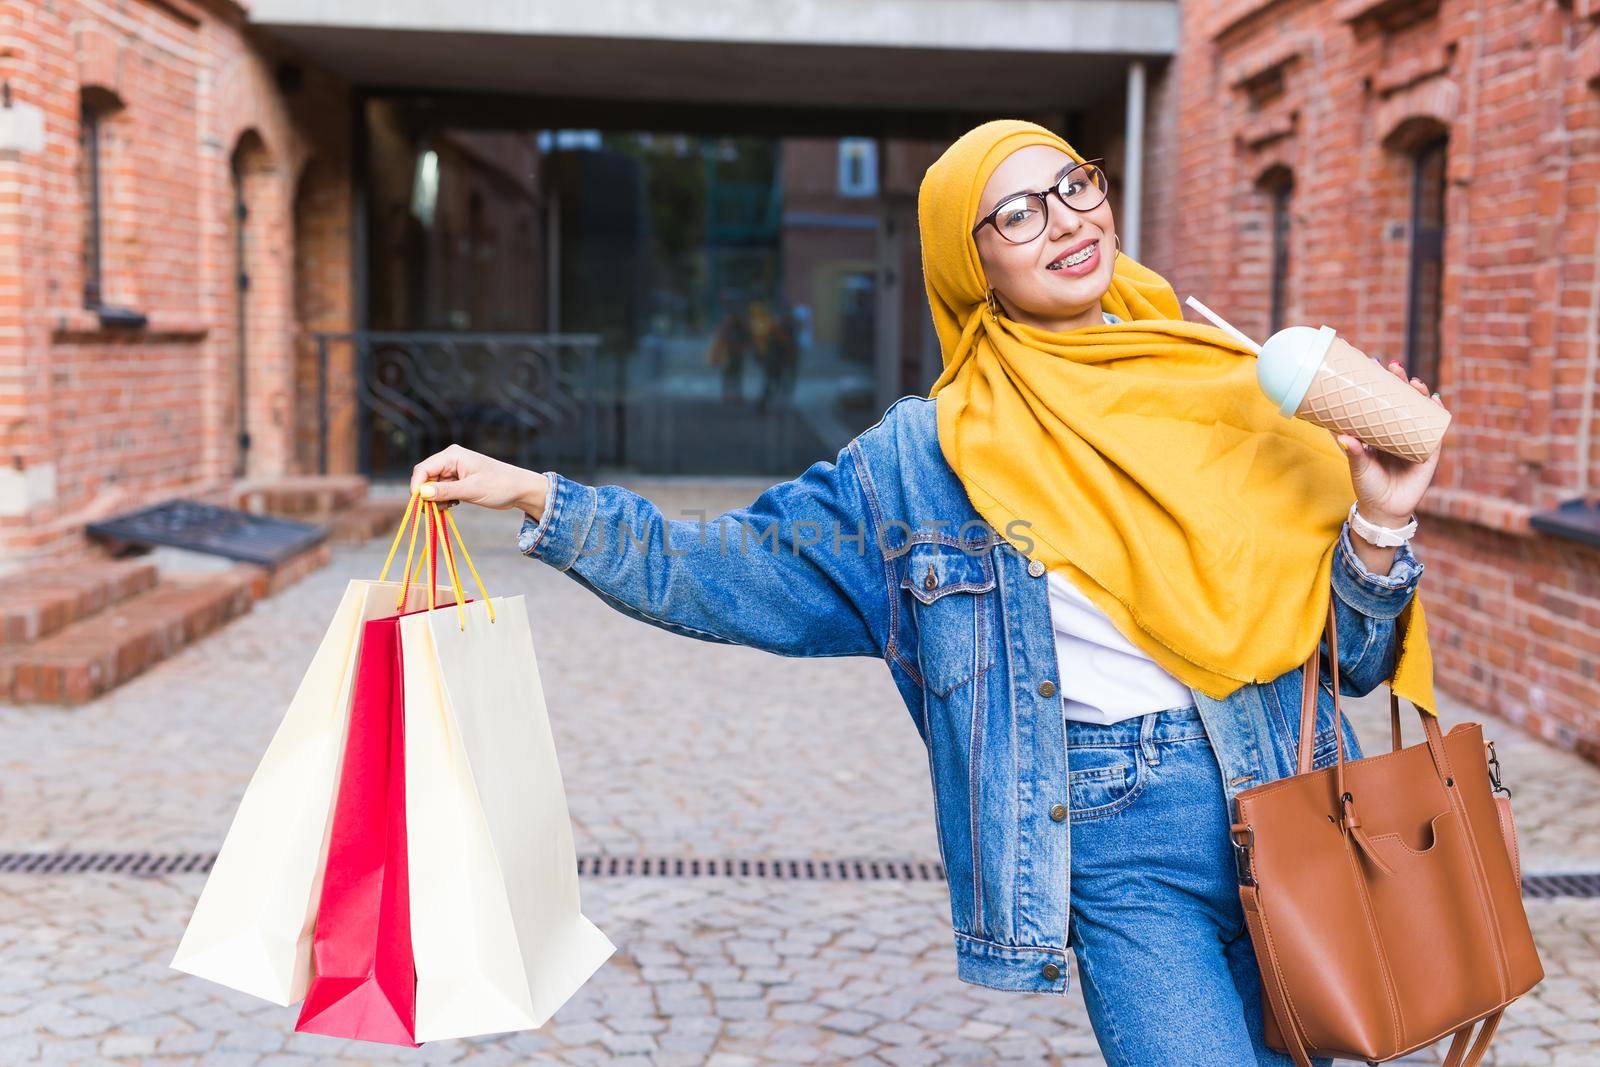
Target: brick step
[87,658]
[269,581]
[36,605]
[373,517]
[305,497]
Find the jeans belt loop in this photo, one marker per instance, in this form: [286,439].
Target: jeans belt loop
[1147,730]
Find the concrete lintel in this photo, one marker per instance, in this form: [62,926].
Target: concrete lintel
[1106,27]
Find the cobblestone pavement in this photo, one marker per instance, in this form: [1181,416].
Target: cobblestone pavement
[668,746]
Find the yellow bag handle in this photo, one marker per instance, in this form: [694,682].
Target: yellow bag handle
[412,518]
[436,527]
[405,520]
[419,510]
[488,603]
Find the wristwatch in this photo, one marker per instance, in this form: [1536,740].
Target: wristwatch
[1381,536]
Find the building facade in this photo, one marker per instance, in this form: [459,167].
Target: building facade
[1424,176]
[174,217]
[296,237]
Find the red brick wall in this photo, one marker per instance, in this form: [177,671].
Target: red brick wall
[96,421]
[324,298]
[1338,93]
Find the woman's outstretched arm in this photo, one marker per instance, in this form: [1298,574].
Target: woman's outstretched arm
[798,572]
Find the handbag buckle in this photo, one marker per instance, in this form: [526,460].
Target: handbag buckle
[1241,854]
[1494,771]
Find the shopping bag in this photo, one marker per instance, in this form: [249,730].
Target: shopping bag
[498,933]
[251,928]
[363,983]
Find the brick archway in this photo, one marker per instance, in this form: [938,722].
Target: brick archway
[258,392]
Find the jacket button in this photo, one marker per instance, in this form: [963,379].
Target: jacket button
[929,581]
[1058,812]
[1036,567]
[1052,972]
[1047,688]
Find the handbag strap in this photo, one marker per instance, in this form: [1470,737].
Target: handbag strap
[1480,1047]
[1308,712]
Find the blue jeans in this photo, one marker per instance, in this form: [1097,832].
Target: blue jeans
[1165,963]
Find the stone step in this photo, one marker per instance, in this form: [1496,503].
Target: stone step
[372,517]
[308,497]
[34,606]
[269,581]
[87,658]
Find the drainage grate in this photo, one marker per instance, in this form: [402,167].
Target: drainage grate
[1579,884]
[792,870]
[805,870]
[1584,884]
[226,532]
[105,862]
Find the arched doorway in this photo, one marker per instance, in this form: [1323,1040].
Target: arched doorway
[252,172]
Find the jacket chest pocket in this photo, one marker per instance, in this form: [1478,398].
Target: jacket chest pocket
[954,601]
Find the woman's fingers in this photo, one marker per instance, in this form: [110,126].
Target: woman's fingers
[460,475]
[446,464]
[1416,383]
[448,492]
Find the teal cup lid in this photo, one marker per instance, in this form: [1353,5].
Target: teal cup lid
[1288,361]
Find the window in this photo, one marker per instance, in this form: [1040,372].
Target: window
[1281,191]
[94,106]
[1427,261]
[96,109]
[858,166]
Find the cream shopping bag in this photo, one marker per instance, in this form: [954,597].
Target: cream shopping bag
[497,931]
[251,929]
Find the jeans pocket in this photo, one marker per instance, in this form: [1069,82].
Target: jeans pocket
[953,596]
[1101,780]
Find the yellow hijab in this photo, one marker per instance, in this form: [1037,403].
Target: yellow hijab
[1140,458]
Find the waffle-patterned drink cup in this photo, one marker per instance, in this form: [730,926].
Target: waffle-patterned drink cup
[1316,376]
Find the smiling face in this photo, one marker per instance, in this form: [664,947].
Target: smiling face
[1032,283]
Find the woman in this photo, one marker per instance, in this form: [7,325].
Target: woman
[1086,733]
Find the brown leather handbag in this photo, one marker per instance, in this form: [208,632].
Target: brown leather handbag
[1384,895]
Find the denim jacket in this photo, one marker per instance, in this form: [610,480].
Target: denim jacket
[880,553]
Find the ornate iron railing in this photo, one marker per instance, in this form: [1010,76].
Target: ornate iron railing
[528,398]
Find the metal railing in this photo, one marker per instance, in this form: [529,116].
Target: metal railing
[527,398]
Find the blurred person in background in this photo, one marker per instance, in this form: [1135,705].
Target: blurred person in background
[777,353]
[729,345]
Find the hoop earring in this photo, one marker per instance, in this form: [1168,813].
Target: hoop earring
[1117,237]
[994,304]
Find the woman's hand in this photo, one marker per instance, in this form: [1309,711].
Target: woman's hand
[460,475]
[1389,487]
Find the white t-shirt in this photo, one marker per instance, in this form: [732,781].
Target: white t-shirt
[1104,677]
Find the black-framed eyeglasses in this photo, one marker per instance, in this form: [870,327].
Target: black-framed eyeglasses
[1020,219]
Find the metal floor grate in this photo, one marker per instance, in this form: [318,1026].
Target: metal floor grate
[794,870]
[1578,884]
[148,863]
[1585,884]
[226,532]
[789,870]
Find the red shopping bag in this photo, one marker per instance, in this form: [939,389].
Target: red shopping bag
[364,982]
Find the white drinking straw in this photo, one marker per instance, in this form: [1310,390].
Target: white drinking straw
[1222,323]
